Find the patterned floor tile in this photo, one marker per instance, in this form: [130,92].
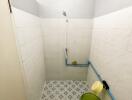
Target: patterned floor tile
[64,90]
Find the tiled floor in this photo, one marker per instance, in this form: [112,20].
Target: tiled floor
[64,90]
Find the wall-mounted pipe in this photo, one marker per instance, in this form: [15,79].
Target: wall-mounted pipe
[90,64]
[95,71]
[73,65]
[100,78]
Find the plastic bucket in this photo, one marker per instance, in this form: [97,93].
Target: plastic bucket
[89,96]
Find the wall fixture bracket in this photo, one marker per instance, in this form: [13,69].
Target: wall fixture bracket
[105,84]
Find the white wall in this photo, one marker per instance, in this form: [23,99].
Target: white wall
[11,80]
[55,28]
[29,38]
[112,50]
[79,32]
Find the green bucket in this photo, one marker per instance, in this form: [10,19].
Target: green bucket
[89,96]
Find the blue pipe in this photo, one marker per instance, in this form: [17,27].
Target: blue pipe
[95,71]
[93,68]
[76,65]
[100,78]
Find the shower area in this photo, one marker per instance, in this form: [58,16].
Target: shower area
[60,48]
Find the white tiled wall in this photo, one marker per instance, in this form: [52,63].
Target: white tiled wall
[79,33]
[30,44]
[112,51]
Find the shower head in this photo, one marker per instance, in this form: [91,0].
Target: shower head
[64,13]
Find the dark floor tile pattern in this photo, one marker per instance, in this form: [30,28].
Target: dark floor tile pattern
[64,90]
